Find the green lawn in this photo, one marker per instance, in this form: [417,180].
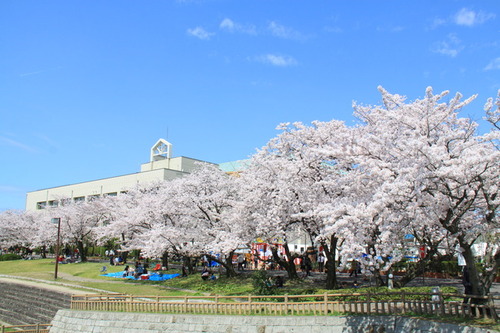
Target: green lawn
[89,275]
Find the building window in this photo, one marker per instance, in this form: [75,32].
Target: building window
[65,201]
[53,203]
[79,199]
[41,205]
[112,194]
[93,197]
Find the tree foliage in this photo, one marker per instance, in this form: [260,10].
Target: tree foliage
[407,168]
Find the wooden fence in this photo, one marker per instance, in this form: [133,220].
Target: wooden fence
[35,328]
[324,304]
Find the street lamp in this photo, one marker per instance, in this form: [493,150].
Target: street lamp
[58,221]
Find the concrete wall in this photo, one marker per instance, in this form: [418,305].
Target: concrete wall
[106,322]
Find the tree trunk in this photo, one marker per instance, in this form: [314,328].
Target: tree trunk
[415,270]
[124,256]
[476,286]
[289,265]
[124,253]
[227,264]
[187,262]
[379,281]
[331,264]
[81,249]
[490,275]
[164,260]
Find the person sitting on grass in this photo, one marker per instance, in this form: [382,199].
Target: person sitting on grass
[139,271]
[278,282]
[125,271]
[205,274]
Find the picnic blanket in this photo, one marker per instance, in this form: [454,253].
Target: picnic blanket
[152,277]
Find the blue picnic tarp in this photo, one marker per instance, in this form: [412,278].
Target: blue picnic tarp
[152,277]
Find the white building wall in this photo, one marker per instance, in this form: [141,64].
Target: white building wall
[183,164]
[166,169]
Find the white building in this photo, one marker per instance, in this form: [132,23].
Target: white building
[160,167]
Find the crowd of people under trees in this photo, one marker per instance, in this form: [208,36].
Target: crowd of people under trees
[406,168]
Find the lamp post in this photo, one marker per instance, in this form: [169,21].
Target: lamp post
[58,221]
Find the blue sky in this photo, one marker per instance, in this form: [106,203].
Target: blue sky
[87,87]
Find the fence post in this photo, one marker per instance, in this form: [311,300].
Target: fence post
[368,303]
[491,307]
[441,303]
[3,328]
[325,299]
[216,303]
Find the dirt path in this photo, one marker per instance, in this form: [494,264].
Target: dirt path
[62,287]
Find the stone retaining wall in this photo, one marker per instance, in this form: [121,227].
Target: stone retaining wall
[107,322]
[22,305]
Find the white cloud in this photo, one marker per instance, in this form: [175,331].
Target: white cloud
[231,26]
[277,60]
[200,33]
[17,144]
[397,28]
[227,24]
[39,72]
[437,22]
[470,18]
[282,31]
[452,46]
[494,64]
[333,29]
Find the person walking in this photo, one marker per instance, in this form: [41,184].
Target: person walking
[321,261]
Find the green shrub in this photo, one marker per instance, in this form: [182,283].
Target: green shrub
[10,256]
[451,267]
[262,283]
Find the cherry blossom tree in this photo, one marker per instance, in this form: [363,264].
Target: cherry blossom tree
[492,113]
[130,216]
[12,229]
[266,204]
[202,202]
[79,222]
[189,216]
[301,187]
[26,228]
[436,165]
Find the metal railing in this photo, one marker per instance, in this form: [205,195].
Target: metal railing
[321,304]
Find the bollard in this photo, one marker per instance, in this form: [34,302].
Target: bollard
[390,281]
